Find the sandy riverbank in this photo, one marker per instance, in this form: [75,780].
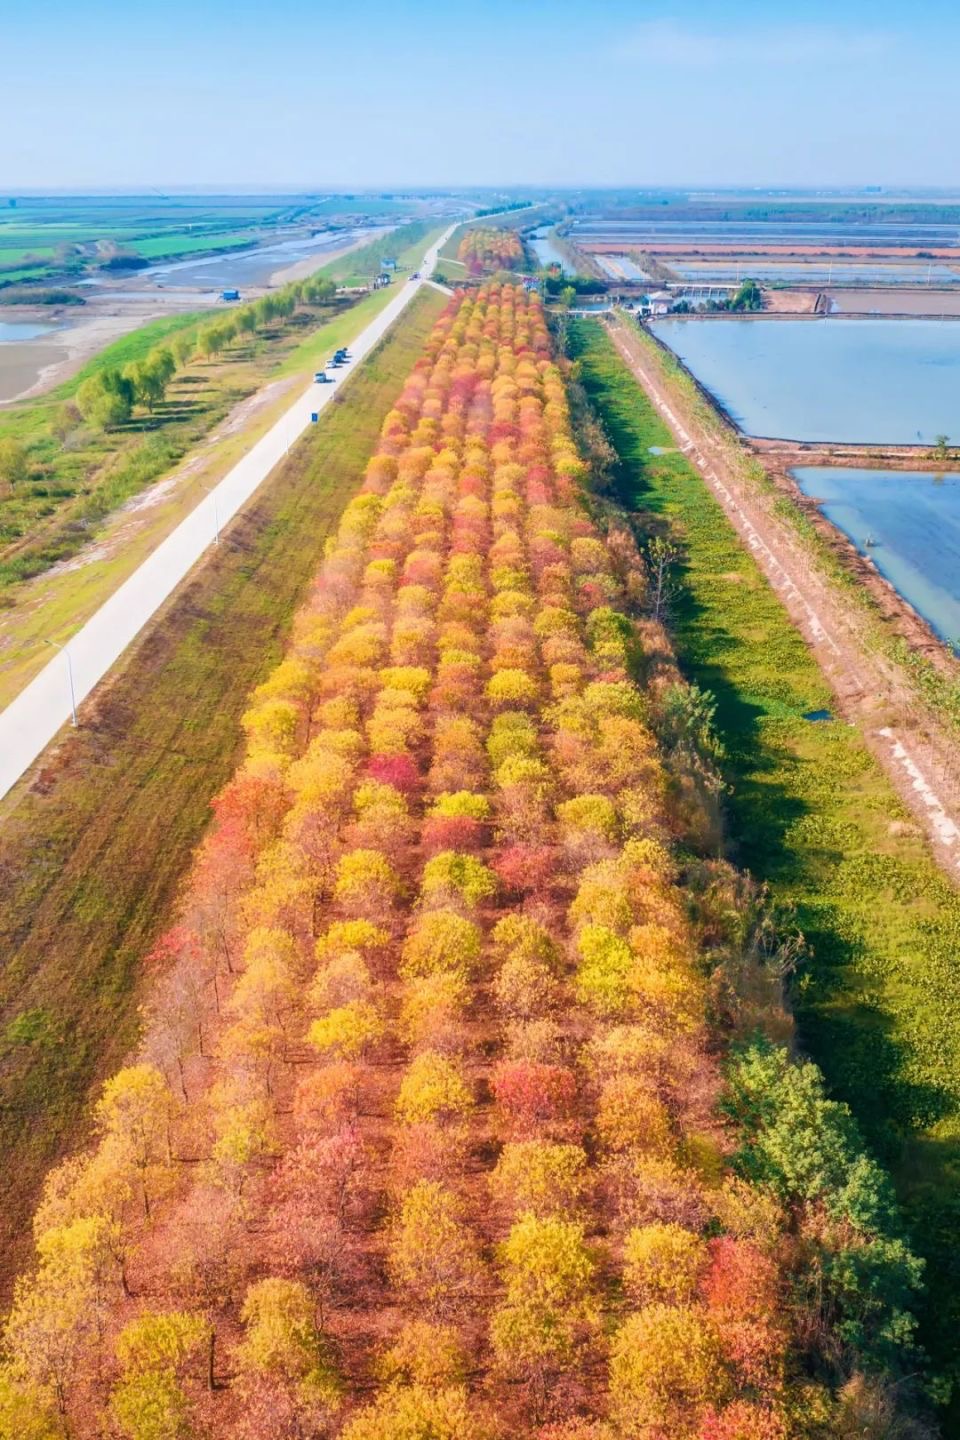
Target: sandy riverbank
[37,365]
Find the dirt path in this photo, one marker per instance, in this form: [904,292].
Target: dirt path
[920,758]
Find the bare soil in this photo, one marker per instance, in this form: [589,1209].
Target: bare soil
[914,747]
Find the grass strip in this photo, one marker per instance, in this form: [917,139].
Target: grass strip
[90,861]
[814,815]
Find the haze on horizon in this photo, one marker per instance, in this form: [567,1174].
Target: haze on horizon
[443,93]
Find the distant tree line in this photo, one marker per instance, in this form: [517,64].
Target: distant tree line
[502,209]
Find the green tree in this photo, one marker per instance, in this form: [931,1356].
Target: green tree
[14,462]
[748,297]
[106,400]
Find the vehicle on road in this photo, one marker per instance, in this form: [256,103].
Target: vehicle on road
[415,275]
[322,378]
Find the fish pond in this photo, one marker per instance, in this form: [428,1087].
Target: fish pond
[908,522]
[867,381]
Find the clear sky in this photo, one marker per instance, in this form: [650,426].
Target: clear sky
[328,94]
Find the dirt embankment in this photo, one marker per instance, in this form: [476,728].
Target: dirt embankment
[917,750]
[726,249]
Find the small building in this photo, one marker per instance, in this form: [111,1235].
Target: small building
[658,302]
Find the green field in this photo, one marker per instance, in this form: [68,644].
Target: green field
[160,227]
[91,860]
[811,812]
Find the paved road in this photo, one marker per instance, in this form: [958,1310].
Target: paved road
[31,721]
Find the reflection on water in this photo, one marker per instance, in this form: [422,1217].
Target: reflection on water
[893,382]
[912,520]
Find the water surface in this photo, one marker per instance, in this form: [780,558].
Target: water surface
[233,269]
[914,519]
[545,250]
[875,382]
[12,332]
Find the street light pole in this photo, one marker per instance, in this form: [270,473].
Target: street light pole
[73,694]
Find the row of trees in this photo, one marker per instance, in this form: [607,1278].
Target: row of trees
[430,1087]
[487,248]
[108,398]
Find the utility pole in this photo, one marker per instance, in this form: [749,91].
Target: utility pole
[73,694]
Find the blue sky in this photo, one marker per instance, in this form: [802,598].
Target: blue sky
[333,95]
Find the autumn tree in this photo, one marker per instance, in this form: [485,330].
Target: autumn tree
[549,1306]
[432,1257]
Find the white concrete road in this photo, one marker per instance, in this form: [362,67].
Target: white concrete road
[33,719]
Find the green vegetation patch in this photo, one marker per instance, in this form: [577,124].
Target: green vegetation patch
[812,813]
[90,859]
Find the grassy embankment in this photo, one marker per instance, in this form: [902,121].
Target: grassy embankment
[89,870]
[813,814]
[405,245]
[55,605]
